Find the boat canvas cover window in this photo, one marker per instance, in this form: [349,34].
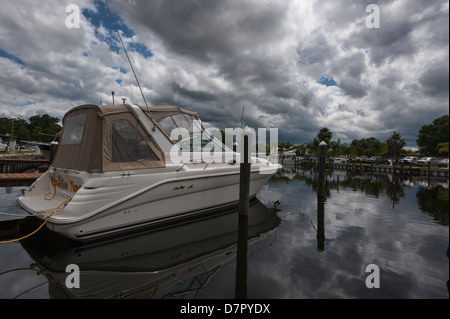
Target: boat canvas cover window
[80,147]
[111,139]
[74,129]
[128,145]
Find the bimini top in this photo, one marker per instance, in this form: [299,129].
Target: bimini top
[102,138]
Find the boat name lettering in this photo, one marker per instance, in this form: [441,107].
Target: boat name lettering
[62,183]
[182,187]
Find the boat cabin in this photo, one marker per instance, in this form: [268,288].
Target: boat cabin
[102,138]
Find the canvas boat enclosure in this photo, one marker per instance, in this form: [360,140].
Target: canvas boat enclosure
[103,138]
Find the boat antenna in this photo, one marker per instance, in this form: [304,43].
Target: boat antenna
[129,61]
[242,117]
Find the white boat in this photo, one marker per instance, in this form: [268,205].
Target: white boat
[288,157]
[123,167]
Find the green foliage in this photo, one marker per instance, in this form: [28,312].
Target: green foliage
[443,148]
[431,135]
[42,128]
[325,135]
[395,143]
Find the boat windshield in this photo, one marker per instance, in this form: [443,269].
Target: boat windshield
[180,120]
[203,142]
[199,139]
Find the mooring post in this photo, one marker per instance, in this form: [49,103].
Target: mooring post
[244,201]
[244,183]
[321,199]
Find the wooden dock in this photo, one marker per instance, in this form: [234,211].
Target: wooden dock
[14,165]
[18,179]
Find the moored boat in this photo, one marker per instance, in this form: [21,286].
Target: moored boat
[123,167]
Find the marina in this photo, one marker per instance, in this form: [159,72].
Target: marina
[183,196]
[307,246]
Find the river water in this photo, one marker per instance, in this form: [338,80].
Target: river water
[352,236]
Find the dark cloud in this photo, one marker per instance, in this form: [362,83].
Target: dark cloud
[434,81]
[206,30]
[352,87]
[215,57]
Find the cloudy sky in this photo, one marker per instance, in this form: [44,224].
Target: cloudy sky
[295,65]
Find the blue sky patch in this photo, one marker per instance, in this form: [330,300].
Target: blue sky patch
[326,80]
[11,57]
[140,48]
[27,103]
[120,69]
[101,18]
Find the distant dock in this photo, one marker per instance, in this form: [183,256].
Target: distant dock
[18,179]
[16,165]
[21,170]
[399,169]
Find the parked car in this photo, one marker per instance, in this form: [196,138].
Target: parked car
[378,160]
[339,159]
[3,146]
[443,163]
[362,158]
[409,160]
[427,159]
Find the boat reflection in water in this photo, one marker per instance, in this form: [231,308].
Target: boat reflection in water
[173,262]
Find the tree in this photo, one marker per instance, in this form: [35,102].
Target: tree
[431,135]
[41,128]
[325,135]
[313,146]
[284,146]
[443,148]
[335,147]
[395,143]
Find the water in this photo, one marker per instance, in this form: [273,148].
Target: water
[308,247]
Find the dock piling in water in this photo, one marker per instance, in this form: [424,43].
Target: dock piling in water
[244,182]
[321,198]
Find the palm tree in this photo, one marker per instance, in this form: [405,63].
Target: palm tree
[313,146]
[325,135]
[335,147]
[395,143]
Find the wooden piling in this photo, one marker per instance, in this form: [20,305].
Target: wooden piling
[321,199]
[244,182]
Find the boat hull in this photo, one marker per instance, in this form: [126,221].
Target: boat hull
[114,205]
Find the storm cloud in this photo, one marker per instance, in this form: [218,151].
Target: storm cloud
[297,65]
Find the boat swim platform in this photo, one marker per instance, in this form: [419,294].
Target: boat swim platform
[18,179]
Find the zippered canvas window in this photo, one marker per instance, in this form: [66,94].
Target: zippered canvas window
[128,145]
[73,129]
